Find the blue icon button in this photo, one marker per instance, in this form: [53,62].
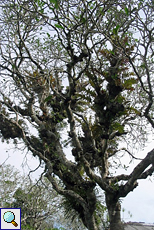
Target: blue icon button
[10,218]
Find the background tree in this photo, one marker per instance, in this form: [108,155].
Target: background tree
[41,206]
[9,180]
[38,201]
[37,205]
[83,69]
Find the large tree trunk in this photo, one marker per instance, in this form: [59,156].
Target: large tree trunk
[90,222]
[114,212]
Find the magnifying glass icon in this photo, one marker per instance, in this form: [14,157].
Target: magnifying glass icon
[9,217]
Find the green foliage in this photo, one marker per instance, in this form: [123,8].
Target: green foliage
[9,180]
[27,200]
[27,227]
[55,2]
[100,213]
[58,26]
[96,130]
[137,112]
[57,228]
[115,30]
[126,11]
[128,84]
[119,127]
[48,99]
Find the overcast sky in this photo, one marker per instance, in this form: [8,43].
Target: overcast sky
[140,202]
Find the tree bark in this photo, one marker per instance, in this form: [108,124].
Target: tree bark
[90,222]
[114,212]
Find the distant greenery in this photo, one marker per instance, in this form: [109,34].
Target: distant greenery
[40,204]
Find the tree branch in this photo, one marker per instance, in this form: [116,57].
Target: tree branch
[138,173]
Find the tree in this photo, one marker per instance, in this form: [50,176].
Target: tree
[37,205]
[9,180]
[83,69]
[40,205]
[38,201]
